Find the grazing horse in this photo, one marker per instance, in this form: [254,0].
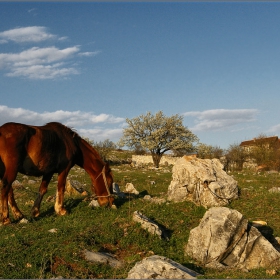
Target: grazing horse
[43,151]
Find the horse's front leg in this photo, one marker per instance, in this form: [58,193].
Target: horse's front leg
[35,211]
[59,207]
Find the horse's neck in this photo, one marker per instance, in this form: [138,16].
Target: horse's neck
[92,163]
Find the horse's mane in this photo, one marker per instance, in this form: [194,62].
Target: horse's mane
[94,151]
[68,135]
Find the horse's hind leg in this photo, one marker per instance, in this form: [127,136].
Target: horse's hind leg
[16,212]
[35,211]
[7,192]
[4,201]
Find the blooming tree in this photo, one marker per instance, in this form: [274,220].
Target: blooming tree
[158,134]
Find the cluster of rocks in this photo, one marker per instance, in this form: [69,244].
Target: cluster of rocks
[153,267]
[223,239]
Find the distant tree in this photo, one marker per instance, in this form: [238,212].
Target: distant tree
[104,148]
[236,156]
[158,134]
[139,150]
[207,151]
[181,152]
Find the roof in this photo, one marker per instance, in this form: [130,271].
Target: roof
[255,141]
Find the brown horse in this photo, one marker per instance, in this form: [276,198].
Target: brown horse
[43,151]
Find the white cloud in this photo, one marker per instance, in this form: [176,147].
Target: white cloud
[42,71]
[89,53]
[221,119]
[35,62]
[99,134]
[83,122]
[32,10]
[38,63]
[26,34]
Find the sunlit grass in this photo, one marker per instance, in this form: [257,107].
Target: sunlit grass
[32,251]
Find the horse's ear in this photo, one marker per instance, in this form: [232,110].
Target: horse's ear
[107,167]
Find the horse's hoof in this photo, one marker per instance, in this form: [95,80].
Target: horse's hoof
[18,216]
[6,221]
[35,213]
[62,212]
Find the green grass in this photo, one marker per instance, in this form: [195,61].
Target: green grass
[31,251]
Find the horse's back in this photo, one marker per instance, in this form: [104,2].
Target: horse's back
[12,128]
[37,150]
[15,134]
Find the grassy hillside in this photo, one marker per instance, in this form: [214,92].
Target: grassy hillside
[32,251]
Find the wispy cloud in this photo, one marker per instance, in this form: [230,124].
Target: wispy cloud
[89,53]
[26,34]
[39,63]
[89,125]
[99,134]
[274,129]
[48,62]
[221,119]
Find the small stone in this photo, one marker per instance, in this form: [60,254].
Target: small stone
[23,221]
[131,189]
[117,191]
[31,182]
[158,267]
[274,190]
[30,202]
[102,258]
[147,224]
[16,184]
[94,203]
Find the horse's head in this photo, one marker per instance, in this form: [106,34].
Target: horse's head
[104,187]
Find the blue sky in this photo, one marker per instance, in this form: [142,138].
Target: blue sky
[91,65]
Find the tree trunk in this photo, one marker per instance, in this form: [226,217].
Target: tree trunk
[156,159]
